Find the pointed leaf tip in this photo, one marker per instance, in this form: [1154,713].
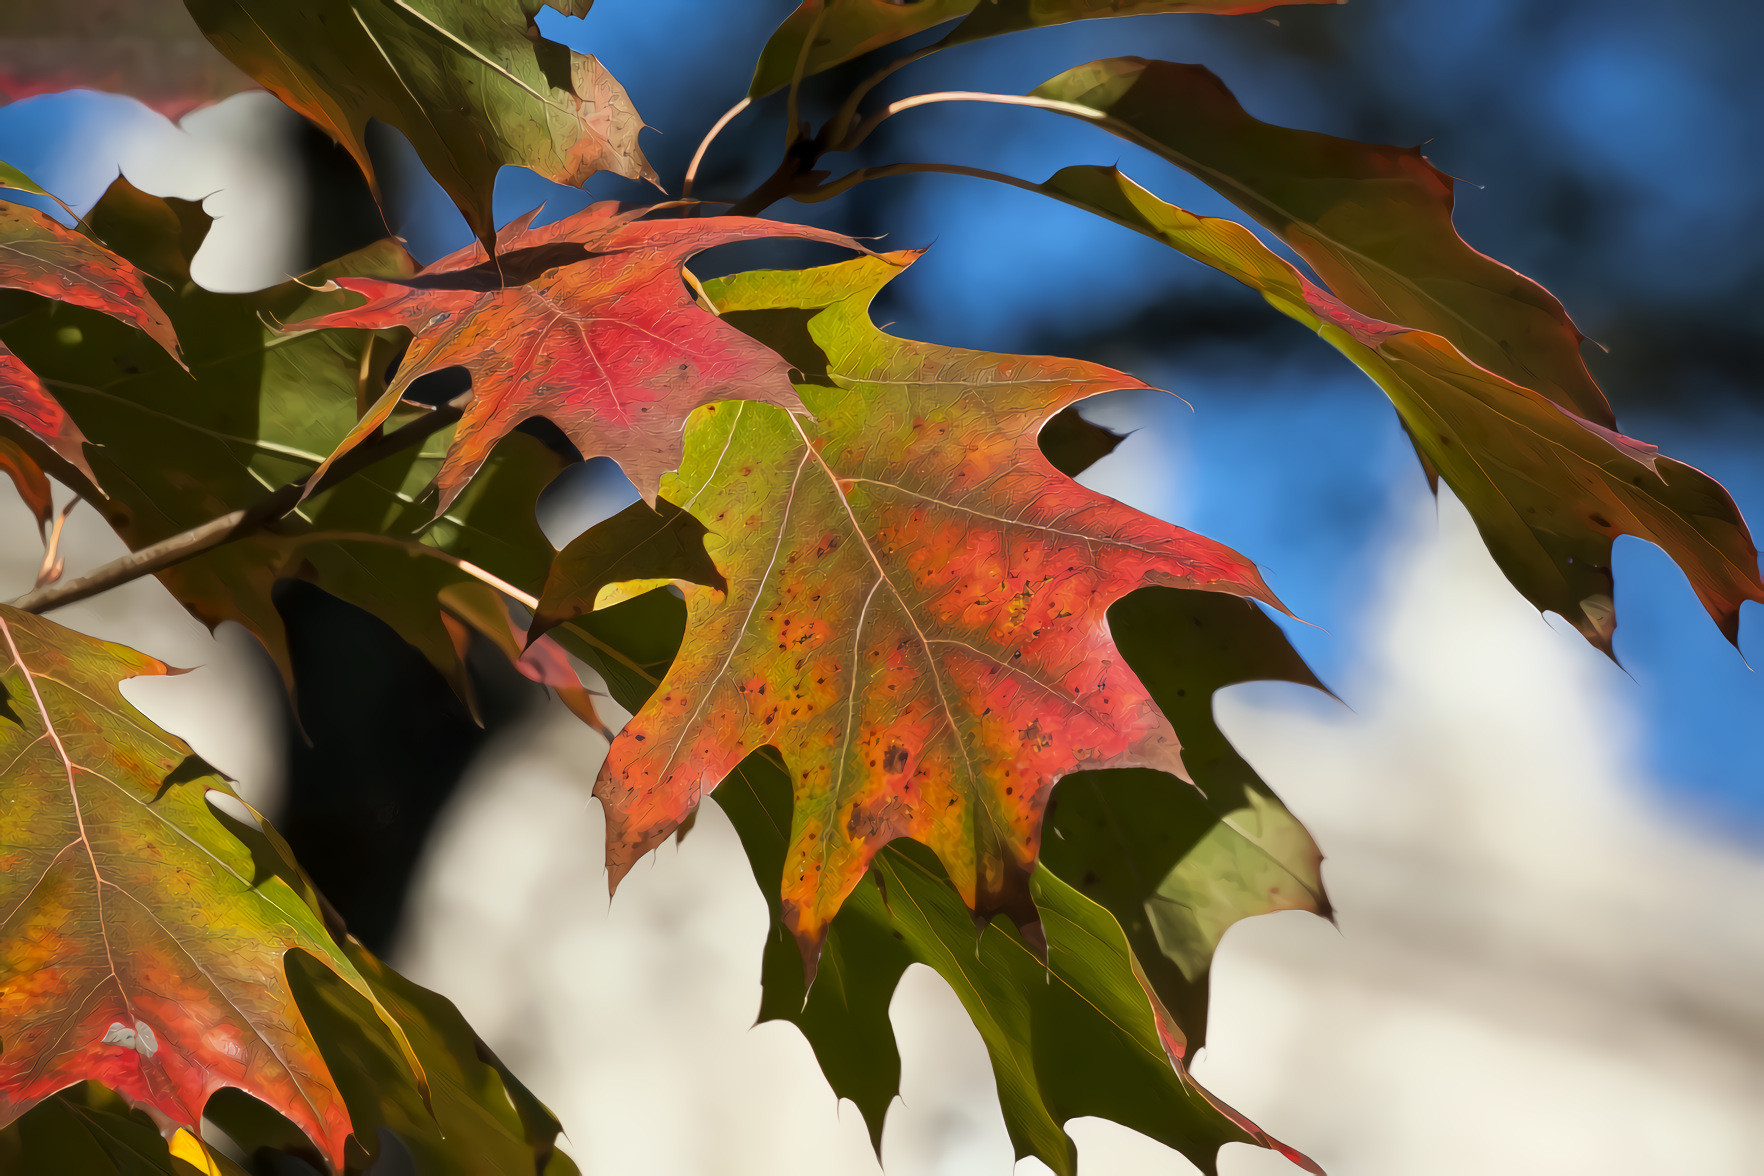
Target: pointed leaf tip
[915,604]
[585,322]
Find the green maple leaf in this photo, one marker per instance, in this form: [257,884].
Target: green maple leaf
[510,96]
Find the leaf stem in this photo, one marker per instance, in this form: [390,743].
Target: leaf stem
[237,524]
[883,171]
[865,128]
[729,116]
[840,124]
[51,568]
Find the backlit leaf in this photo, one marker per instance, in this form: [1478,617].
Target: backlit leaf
[1549,490]
[144,946]
[587,322]
[27,476]
[1375,222]
[258,409]
[915,605]
[476,1118]
[1074,1035]
[1176,865]
[839,30]
[471,83]
[43,256]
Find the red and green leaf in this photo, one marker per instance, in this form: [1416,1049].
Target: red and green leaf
[915,605]
[257,410]
[144,946]
[40,255]
[586,322]
[28,477]
[471,83]
[1105,1026]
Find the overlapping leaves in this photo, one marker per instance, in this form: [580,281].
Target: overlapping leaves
[1549,490]
[40,255]
[143,944]
[586,322]
[822,33]
[1069,1023]
[160,944]
[471,83]
[915,605]
[256,410]
[1162,868]
[1374,221]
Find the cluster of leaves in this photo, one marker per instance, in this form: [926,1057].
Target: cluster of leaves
[958,707]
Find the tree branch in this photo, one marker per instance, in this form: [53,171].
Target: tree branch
[156,557]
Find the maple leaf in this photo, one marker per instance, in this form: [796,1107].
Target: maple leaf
[1548,489]
[586,322]
[147,49]
[257,410]
[511,96]
[822,33]
[1074,1033]
[144,945]
[1375,222]
[1174,865]
[915,605]
[40,255]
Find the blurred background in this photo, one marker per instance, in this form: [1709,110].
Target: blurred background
[1547,868]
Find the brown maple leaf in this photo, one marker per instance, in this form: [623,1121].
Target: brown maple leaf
[586,322]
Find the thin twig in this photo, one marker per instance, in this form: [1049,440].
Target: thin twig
[893,108]
[729,116]
[863,175]
[792,171]
[52,566]
[842,119]
[413,547]
[236,524]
